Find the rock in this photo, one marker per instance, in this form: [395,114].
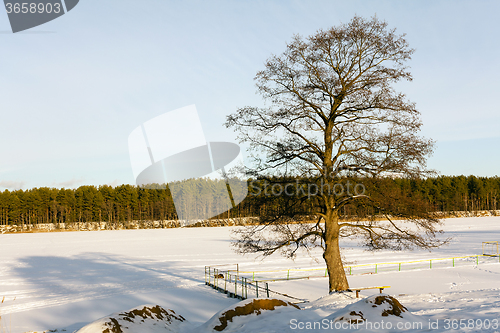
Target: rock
[375,309]
[231,319]
[142,319]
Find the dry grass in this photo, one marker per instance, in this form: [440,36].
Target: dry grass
[3,326]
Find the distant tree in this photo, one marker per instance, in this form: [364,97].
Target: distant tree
[333,115]
[107,193]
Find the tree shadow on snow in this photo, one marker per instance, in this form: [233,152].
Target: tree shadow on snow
[79,289]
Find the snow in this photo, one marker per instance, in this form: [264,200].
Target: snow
[372,310]
[254,315]
[145,319]
[66,280]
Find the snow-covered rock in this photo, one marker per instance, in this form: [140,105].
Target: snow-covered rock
[379,312]
[247,312]
[142,319]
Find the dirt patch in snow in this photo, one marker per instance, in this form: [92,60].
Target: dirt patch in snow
[395,308]
[352,319]
[155,312]
[114,326]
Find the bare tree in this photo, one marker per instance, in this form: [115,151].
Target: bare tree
[332,113]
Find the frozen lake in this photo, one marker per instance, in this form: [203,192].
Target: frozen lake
[67,279]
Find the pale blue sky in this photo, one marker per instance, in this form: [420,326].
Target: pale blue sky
[72,90]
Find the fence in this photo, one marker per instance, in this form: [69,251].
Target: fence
[240,284]
[292,274]
[490,248]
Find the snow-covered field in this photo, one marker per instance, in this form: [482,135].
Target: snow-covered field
[68,279]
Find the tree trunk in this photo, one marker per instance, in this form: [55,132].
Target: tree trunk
[336,275]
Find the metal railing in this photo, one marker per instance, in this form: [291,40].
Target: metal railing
[244,284]
[234,285]
[490,245]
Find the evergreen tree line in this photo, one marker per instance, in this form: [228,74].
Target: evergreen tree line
[127,202]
